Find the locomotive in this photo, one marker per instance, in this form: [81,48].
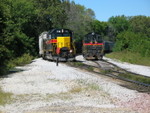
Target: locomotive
[93,46]
[57,44]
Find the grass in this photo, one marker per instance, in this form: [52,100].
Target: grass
[88,86]
[76,90]
[133,58]
[78,64]
[63,96]
[93,86]
[142,79]
[5,98]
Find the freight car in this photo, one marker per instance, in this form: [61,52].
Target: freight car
[93,46]
[57,44]
[108,46]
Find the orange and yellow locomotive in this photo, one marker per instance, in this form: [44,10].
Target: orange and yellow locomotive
[57,43]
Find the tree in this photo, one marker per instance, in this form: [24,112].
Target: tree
[100,27]
[119,23]
[79,19]
[140,24]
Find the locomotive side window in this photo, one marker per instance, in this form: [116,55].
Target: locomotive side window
[87,39]
[53,36]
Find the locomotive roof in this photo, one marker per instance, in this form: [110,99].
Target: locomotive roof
[92,33]
[53,30]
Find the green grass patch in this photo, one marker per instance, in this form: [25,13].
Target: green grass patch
[90,68]
[77,64]
[105,71]
[88,86]
[126,56]
[93,86]
[142,79]
[5,98]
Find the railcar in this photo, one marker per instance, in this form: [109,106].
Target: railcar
[93,46]
[108,46]
[57,44]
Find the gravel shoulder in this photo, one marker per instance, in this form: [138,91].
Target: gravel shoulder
[138,69]
[45,87]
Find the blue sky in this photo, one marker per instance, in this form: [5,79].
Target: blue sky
[104,9]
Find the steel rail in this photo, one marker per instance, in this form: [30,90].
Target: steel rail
[120,77]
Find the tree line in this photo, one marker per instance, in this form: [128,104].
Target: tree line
[21,22]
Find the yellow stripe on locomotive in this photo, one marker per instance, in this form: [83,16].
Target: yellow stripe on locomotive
[63,42]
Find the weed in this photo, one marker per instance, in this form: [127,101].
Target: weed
[78,64]
[62,96]
[5,97]
[90,68]
[76,90]
[136,77]
[93,86]
[106,71]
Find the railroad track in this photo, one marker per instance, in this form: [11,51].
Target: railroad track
[108,69]
[114,71]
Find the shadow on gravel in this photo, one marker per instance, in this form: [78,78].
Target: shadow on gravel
[12,71]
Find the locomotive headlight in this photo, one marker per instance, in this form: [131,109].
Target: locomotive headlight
[71,51]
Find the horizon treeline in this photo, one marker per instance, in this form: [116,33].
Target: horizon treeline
[22,21]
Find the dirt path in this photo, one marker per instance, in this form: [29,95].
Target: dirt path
[45,87]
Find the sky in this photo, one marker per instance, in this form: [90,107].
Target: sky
[104,9]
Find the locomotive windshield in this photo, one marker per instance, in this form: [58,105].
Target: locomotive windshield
[60,33]
[63,33]
[94,38]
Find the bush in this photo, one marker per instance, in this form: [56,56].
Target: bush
[25,59]
[133,42]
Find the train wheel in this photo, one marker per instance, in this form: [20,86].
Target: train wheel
[101,57]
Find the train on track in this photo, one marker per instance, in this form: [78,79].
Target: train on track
[93,46]
[108,46]
[57,44]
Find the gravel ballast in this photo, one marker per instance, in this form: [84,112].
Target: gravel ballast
[45,87]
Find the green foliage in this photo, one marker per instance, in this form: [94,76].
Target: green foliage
[119,23]
[25,59]
[10,64]
[100,27]
[131,34]
[140,24]
[133,42]
[79,20]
